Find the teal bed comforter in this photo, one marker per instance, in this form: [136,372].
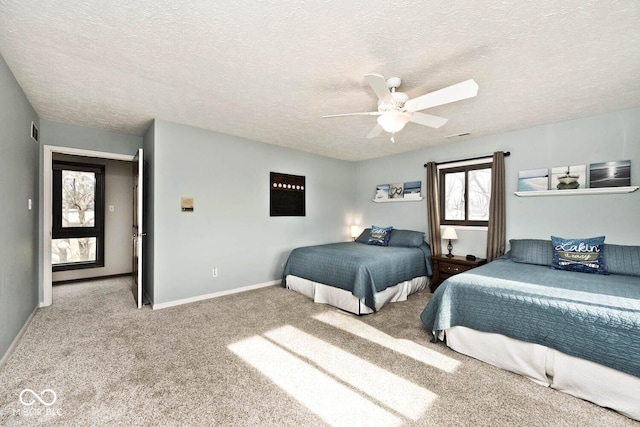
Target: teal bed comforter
[359,268]
[590,316]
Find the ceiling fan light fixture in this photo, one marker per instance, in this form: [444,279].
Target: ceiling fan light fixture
[393,121]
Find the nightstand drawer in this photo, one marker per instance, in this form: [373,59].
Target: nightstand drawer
[452,269]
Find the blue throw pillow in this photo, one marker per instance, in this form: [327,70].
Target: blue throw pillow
[406,238]
[531,251]
[584,255]
[622,259]
[364,236]
[379,236]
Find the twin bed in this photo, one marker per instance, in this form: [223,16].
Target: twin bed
[573,331]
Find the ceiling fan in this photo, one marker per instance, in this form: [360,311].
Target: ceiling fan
[395,109]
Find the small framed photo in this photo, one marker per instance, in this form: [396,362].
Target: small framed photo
[533,180]
[396,191]
[610,174]
[568,177]
[382,191]
[412,189]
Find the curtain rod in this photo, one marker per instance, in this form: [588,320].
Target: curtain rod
[506,154]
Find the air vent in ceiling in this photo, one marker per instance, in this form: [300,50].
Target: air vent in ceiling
[458,135]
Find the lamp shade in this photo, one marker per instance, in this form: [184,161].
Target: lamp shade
[450,233]
[355,231]
[393,121]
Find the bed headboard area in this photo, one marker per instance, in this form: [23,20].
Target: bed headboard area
[597,256]
[398,238]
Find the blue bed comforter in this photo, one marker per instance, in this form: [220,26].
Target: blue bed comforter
[590,316]
[359,268]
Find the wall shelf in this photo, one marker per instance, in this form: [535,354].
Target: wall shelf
[417,199]
[603,190]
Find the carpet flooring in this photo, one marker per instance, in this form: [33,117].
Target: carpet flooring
[267,357]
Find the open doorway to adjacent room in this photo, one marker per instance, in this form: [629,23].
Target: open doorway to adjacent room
[88,217]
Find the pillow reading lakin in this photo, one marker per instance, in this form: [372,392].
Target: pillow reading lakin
[584,255]
[379,236]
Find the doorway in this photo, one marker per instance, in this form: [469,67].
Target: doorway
[47,275]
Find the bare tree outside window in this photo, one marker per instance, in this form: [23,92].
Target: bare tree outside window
[78,198]
[465,193]
[479,194]
[454,196]
[78,210]
[77,237]
[73,250]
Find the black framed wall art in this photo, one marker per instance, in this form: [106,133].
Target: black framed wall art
[287,195]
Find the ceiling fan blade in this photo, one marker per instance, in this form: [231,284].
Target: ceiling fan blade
[456,92]
[428,120]
[375,131]
[379,86]
[368,113]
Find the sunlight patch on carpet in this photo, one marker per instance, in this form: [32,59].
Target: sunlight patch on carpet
[406,347]
[335,403]
[389,389]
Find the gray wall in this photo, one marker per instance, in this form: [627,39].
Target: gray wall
[18,225]
[117,223]
[65,135]
[231,229]
[613,136]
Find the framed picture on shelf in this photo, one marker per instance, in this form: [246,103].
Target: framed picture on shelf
[533,180]
[610,174]
[396,191]
[412,189]
[568,177]
[382,192]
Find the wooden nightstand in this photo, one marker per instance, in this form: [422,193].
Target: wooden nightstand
[445,267]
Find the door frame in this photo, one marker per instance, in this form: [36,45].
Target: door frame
[47,210]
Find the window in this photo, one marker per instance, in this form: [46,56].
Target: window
[78,216]
[465,192]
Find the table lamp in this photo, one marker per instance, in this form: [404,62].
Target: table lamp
[450,233]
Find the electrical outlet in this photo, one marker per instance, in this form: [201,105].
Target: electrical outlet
[215,271]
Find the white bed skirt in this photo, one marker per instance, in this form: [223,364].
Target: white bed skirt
[581,378]
[345,300]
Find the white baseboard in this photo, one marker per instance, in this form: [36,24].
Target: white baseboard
[213,295]
[15,341]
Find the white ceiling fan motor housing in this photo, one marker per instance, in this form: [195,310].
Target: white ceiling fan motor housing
[393,82]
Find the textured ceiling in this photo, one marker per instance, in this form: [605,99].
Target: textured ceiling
[269,70]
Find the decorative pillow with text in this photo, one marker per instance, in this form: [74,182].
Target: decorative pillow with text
[379,236]
[583,255]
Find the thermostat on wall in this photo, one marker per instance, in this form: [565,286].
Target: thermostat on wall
[186,204]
